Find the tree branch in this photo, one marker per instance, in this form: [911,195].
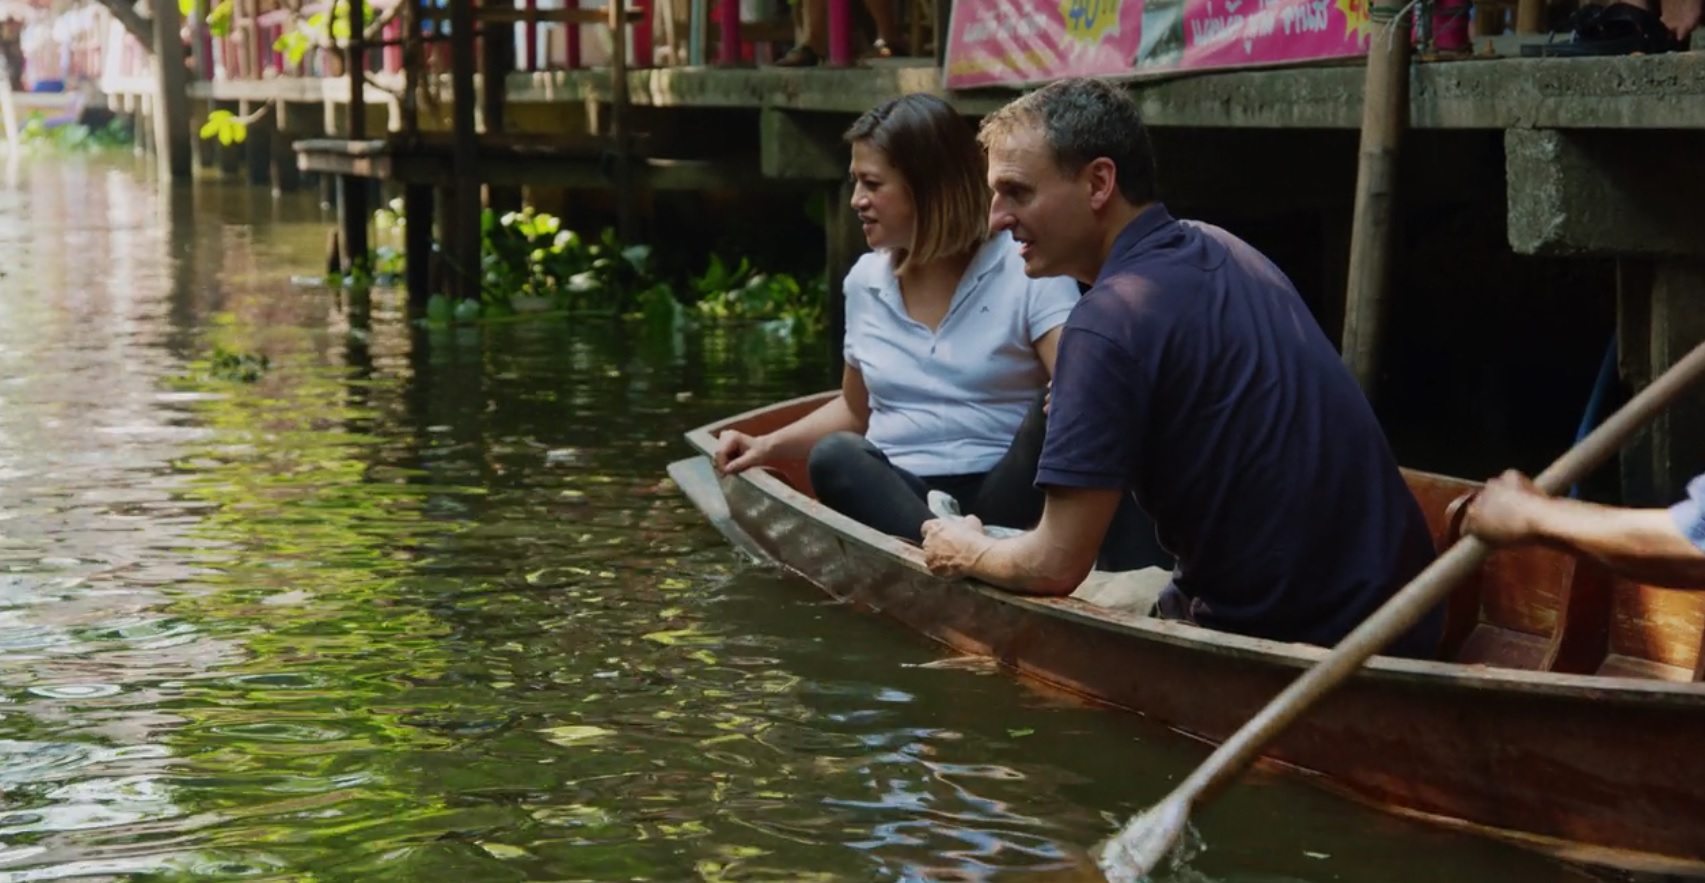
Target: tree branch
[139,27]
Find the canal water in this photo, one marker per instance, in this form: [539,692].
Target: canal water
[411,605]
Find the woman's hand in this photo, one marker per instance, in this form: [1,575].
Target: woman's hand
[736,451]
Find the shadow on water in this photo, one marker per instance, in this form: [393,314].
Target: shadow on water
[419,605]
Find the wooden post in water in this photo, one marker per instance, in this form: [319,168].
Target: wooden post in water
[497,60]
[1385,114]
[620,142]
[8,108]
[257,147]
[417,242]
[352,208]
[463,218]
[171,96]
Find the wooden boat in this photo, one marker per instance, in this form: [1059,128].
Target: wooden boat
[1569,717]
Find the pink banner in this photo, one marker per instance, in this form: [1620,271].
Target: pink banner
[1234,33]
[1010,42]
[1026,42]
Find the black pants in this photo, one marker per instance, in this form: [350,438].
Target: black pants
[853,477]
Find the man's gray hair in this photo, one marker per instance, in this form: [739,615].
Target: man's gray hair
[1083,118]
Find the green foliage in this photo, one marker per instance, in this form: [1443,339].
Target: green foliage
[232,365]
[320,29]
[218,17]
[531,264]
[35,134]
[225,126]
[742,294]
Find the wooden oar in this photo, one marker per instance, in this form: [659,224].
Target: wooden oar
[696,478]
[1148,838]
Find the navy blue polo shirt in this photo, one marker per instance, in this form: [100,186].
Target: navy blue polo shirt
[1193,375]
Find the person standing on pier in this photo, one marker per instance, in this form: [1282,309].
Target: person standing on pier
[1192,375]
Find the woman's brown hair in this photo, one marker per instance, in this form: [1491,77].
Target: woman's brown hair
[936,151]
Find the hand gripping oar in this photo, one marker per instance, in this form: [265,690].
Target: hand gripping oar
[1133,852]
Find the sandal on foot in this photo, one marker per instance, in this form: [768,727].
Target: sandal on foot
[799,56]
[883,49]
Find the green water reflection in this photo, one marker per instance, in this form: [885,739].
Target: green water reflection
[420,606]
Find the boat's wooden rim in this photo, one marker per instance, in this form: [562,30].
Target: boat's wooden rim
[1600,688]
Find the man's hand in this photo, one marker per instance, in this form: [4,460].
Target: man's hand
[952,548]
[736,451]
[1047,396]
[1504,512]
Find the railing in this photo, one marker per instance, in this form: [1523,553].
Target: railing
[252,41]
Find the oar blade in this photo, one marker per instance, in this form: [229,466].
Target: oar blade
[696,478]
[1132,854]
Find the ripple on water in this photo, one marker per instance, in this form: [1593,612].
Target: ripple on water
[416,604]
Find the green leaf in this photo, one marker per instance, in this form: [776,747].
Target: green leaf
[571,736]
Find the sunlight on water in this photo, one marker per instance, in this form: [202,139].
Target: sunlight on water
[420,605]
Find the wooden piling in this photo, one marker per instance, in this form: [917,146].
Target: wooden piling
[1658,321]
[620,116]
[228,158]
[497,60]
[8,109]
[417,242]
[463,219]
[258,146]
[1385,114]
[285,176]
[171,98]
[1530,16]
[352,204]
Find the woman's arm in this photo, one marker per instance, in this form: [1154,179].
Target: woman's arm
[847,412]
[1047,347]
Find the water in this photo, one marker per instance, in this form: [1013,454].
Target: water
[420,606]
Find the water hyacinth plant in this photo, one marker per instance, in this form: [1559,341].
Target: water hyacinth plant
[531,264]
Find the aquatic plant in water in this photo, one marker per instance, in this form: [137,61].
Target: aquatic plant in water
[36,134]
[531,264]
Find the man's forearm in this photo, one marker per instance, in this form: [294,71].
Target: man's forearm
[1640,544]
[1025,563]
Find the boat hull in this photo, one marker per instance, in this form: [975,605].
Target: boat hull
[1607,771]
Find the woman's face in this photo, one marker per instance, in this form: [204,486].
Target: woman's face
[881,199]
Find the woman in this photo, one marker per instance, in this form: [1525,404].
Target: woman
[949,346]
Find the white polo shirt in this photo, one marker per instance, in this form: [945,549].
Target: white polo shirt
[948,401]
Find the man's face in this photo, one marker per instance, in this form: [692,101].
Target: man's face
[1047,212]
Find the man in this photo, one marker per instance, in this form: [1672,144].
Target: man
[1193,376]
[1662,547]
